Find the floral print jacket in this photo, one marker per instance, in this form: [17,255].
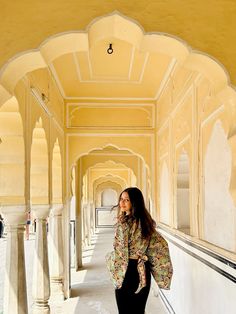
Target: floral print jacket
[128,243]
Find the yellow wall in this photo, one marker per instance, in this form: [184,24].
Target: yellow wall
[207,26]
[187,118]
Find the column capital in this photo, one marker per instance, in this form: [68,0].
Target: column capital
[14,214]
[57,209]
[41,211]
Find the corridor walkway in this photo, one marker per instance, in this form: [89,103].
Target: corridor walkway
[92,291]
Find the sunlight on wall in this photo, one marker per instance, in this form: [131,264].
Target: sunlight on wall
[219,210]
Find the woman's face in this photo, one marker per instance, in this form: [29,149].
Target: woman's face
[124,203]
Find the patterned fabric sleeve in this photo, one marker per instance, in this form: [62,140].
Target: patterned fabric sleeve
[117,260]
[160,262]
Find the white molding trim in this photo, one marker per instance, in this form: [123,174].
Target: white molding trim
[180,143]
[59,86]
[182,100]
[170,69]
[213,115]
[76,134]
[164,126]
[111,106]
[131,62]
[164,156]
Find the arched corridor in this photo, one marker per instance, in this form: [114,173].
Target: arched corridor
[78,124]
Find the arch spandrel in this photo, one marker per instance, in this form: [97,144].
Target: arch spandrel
[18,67]
[4,95]
[62,44]
[209,68]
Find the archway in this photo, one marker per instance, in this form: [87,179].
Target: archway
[108,197]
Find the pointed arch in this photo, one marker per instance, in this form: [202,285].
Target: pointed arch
[12,154]
[56,174]
[39,185]
[218,202]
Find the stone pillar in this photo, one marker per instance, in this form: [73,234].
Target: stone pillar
[88,223]
[15,292]
[57,265]
[78,240]
[92,218]
[41,283]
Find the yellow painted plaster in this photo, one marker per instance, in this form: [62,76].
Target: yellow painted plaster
[206,26]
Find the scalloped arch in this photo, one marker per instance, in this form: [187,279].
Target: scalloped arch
[114,178]
[210,68]
[110,175]
[110,26]
[104,185]
[117,148]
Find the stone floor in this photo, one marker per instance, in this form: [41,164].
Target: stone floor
[92,291]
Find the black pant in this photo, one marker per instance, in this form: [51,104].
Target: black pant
[1,229]
[127,300]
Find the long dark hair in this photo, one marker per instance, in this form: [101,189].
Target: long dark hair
[139,211]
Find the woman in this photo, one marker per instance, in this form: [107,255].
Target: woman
[139,251]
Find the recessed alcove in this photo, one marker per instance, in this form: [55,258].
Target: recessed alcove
[219,210]
[164,196]
[182,194]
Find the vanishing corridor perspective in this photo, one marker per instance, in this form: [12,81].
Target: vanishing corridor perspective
[111,96]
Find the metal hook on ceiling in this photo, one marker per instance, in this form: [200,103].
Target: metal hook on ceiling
[110,49]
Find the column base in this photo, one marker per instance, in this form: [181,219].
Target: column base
[40,308]
[57,293]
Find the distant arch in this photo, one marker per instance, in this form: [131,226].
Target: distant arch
[109,197]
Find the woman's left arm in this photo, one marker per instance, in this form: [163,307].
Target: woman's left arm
[160,261]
